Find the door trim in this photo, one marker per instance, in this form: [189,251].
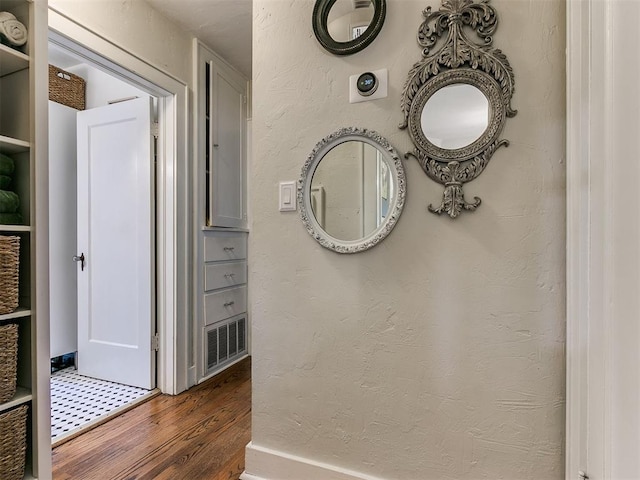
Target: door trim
[173,218]
[602,239]
[578,153]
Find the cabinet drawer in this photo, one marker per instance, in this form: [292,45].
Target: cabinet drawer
[224,304]
[222,275]
[225,246]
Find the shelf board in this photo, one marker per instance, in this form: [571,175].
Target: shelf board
[9,145]
[15,228]
[18,313]
[209,228]
[12,60]
[28,474]
[23,395]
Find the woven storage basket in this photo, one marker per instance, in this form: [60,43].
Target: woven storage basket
[66,88]
[13,443]
[8,362]
[9,273]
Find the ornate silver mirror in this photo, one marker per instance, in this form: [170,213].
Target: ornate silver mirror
[457,98]
[351,190]
[455,116]
[344,27]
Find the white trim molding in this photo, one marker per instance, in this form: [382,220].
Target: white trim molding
[578,122]
[262,463]
[603,239]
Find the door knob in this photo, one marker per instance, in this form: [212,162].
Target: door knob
[80,259]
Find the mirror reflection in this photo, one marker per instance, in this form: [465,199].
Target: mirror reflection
[348,19]
[351,191]
[455,116]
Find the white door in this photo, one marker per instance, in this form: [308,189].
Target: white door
[63,278]
[116,314]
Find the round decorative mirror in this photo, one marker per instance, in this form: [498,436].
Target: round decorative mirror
[352,190]
[455,116]
[344,27]
[457,98]
[348,20]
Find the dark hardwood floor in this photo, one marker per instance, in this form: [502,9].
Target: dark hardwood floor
[199,434]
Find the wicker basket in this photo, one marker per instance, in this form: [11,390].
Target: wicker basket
[13,443]
[66,88]
[8,362]
[9,273]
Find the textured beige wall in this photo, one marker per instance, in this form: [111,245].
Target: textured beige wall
[440,352]
[134,25]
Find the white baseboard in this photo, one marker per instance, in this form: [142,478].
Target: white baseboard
[248,476]
[263,463]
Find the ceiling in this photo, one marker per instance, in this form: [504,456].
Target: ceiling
[223,25]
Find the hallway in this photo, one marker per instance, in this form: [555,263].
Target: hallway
[199,434]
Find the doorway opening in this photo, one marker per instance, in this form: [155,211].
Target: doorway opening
[103,221]
[80,403]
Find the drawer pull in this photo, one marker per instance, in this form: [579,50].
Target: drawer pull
[229,249]
[229,275]
[228,304]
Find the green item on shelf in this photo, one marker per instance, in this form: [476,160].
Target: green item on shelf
[6,165]
[10,219]
[9,202]
[5,181]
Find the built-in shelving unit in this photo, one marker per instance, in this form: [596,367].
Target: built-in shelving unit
[23,138]
[23,395]
[6,229]
[222,325]
[12,60]
[19,313]
[11,146]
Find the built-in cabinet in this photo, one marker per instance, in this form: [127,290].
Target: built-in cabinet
[222,142]
[221,329]
[224,333]
[23,137]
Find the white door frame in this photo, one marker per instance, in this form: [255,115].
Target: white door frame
[172,213]
[577,131]
[603,239]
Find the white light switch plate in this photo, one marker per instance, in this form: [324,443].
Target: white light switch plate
[287,196]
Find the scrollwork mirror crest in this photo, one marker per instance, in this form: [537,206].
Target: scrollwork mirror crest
[351,190]
[457,98]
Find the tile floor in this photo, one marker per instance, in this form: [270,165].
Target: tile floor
[78,400]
